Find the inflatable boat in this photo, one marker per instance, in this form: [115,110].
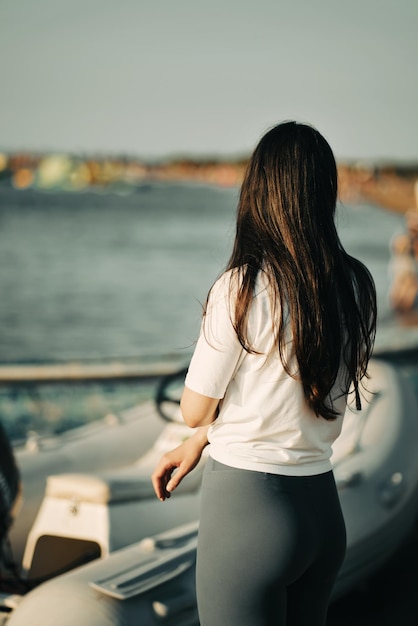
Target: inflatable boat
[142,552]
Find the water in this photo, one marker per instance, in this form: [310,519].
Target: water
[101,276]
[98,276]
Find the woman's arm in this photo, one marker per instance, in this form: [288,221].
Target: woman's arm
[197,409]
[183,459]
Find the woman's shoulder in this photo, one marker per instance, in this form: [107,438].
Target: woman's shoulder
[230,281]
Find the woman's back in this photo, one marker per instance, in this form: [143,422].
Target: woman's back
[264,422]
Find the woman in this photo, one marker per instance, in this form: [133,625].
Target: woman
[288,330]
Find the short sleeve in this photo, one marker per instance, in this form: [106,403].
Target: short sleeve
[218,350]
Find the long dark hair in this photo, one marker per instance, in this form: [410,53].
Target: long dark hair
[285,227]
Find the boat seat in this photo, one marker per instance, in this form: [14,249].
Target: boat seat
[122,485]
[84,516]
[98,489]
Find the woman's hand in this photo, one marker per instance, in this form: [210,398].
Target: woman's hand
[183,459]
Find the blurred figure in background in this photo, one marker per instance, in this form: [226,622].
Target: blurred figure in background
[403,268]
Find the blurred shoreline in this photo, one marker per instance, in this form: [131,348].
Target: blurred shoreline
[389,185]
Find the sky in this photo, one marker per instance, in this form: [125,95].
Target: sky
[155,78]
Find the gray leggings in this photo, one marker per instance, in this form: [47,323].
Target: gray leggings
[269,548]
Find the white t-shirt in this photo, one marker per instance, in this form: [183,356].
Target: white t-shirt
[264,421]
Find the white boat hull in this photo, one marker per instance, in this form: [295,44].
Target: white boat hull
[152,581]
